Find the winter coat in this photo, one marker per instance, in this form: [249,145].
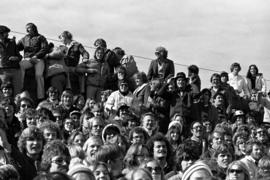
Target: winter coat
[73,54]
[260,84]
[7,50]
[36,45]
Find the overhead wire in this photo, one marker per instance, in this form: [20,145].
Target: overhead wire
[137,56]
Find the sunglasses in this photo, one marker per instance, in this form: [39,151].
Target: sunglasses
[156,169]
[237,171]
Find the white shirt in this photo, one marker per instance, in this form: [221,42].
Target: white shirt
[239,84]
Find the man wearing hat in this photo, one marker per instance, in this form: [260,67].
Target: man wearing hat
[9,59]
[160,67]
[35,47]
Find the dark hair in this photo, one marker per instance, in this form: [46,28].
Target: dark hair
[100,43]
[223,73]
[235,65]
[119,51]
[46,112]
[97,49]
[51,126]
[8,171]
[52,88]
[24,99]
[249,74]
[66,34]
[57,175]
[138,130]
[108,152]
[52,149]
[32,25]
[222,149]
[162,138]
[215,75]
[140,75]
[193,69]
[132,152]
[250,145]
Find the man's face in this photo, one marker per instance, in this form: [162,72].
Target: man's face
[97,127]
[7,92]
[236,70]
[261,135]
[217,139]
[228,139]
[215,81]
[181,83]
[219,101]
[4,35]
[78,140]
[69,125]
[30,30]
[59,163]
[33,146]
[257,152]
[67,99]
[138,138]
[93,147]
[31,120]
[224,159]
[160,150]
[49,135]
[123,87]
[53,95]
[197,130]
[149,123]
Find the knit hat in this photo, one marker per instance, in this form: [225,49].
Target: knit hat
[4,29]
[77,168]
[176,124]
[199,165]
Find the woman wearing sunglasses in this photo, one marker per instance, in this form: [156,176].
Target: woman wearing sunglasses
[237,171]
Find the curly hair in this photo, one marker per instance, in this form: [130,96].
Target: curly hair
[73,136]
[138,130]
[24,99]
[31,132]
[8,171]
[162,138]
[52,149]
[133,151]
[51,126]
[235,65]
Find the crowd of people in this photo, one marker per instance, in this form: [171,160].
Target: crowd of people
[101,118]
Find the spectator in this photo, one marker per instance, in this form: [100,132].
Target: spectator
[35,47]
[72,57]
[123,95]
[174,134]
[264,168]
[254,153]
[9,61]
[255,80]
[149,123]
[52,100]
[138,135]
[142,87]
[141,173]
[76,138]
[237,81]
[155,169]
[9,172]
[198,170]
[237,170]
[91,147]
[79,102]
[160,150]
[194,78]
[56,70]
[94,74]
[101,171]
[161,67]
[55,157]
[50,131]
[80,171]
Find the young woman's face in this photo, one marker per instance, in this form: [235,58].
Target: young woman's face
[236,70]
[59,163]
[69,125]
[155,169]
[33,146]
[242,145]
[67,99]
[49,135]
[253,70]
[236,173]
[101,173]
[99,54]
[142,155]
[224,159]
[79,140]
[31,121]
[175,134]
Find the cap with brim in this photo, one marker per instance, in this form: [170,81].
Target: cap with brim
[4,29]
[75,112]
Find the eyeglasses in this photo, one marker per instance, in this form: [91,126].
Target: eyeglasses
[237,171]
[25,105]
[59,161]
[157,169]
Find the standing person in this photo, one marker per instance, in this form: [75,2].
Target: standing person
[96,72]
[194,78]
[161,67]
[237,81]
[73,53]
[9,59]
[110,58]
[255,80]
[35,47]
[254,153]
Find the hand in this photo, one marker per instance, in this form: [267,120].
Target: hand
[13,58]
[3,140]
[85,60]
[34,60]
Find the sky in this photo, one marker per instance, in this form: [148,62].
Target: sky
[209,33]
